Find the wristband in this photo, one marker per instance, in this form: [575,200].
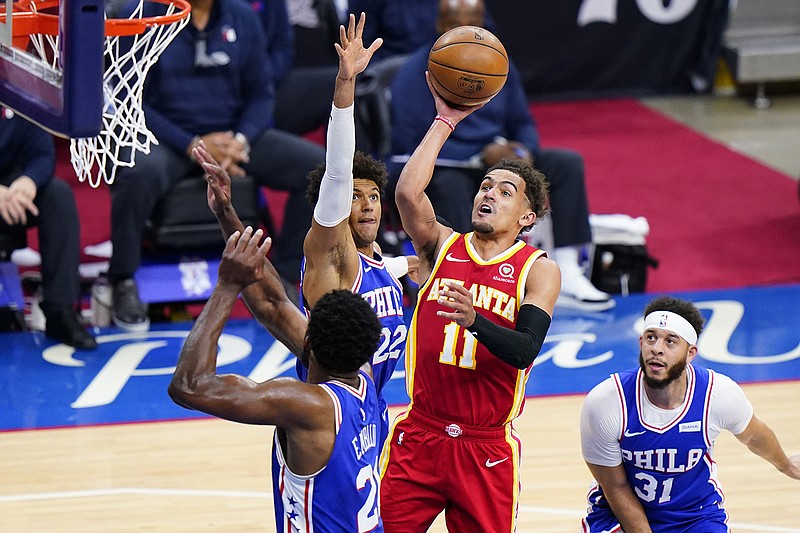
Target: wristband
[446,121]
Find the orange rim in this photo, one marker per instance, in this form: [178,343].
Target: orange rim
[28,22]
[120,27]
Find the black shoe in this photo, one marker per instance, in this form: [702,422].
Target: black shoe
[129,313]
[63,326]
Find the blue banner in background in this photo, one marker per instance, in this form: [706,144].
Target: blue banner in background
[185,279]
[751,335]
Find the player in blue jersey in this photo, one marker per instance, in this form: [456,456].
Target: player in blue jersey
[648,434]
[340,249]
[326,434]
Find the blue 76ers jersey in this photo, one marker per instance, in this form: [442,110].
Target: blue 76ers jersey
[343,495]
[384,293]
[669,468]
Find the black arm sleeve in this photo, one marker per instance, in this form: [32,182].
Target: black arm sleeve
[518,347]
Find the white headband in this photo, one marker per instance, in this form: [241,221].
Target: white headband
[672,322]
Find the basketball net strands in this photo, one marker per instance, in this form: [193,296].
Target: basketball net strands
[131,47]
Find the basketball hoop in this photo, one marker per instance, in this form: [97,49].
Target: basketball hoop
[127,63]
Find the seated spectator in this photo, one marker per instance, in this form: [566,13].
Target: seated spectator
[31,196]
[503,128]
[404,26]
[213,83]
[304,63]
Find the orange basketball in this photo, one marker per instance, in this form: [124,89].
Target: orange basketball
[468,65]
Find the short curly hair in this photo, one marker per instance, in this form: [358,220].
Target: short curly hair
[343,331]
[365,167]
[684,308]
[537,188]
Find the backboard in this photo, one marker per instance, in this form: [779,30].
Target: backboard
[62,94]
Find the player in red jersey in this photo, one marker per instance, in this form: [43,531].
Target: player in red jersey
[485,304]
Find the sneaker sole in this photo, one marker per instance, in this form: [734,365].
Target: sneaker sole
[568,302]
[141,327]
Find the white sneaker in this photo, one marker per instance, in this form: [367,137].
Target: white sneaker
[26,257]
[577,292]
[102,249]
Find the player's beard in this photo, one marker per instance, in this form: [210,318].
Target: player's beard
[483,228]
[673,372]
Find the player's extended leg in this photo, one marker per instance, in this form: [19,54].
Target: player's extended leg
[411,494]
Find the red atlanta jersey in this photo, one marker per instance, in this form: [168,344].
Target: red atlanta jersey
[449,373]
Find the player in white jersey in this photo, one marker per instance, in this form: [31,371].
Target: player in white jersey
[648,434]
[326,427]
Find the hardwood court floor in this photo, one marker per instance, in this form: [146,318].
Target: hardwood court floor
[212,475]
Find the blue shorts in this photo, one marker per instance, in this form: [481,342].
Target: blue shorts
[709,520]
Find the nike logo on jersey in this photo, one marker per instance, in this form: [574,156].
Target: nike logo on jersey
[490,463]
[633,434]
[450,257]
[367,269]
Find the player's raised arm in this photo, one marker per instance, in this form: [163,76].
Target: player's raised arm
[329,228]
[218,191]
[197,385]
[266,299]
[415,208]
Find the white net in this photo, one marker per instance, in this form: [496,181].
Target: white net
[128,60]
[124,131]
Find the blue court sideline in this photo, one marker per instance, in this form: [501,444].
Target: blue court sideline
[751,335]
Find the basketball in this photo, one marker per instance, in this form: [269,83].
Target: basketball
[467,65]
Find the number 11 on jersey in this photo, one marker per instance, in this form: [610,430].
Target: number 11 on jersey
[448,355]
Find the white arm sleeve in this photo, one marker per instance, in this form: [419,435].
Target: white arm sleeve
[398,266]
[728,408]
[336,188]
[601,425]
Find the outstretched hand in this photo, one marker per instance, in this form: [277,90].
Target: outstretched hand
[455,113]
[243,260]
[353,57]
[459,299]
[218,179]
[793,468]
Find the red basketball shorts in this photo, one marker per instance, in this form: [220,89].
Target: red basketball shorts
[430,465]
